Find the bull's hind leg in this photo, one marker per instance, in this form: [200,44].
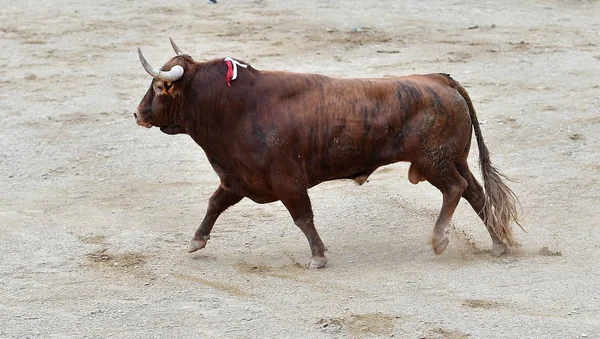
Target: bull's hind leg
[452,186]
[475,195]
[295,199]
[217,204]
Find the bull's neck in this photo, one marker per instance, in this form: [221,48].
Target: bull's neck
[216,109]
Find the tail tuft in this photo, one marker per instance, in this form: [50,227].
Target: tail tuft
[501,204]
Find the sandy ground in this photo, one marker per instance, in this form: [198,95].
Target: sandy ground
[96,212]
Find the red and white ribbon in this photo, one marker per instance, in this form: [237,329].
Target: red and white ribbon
[232,65]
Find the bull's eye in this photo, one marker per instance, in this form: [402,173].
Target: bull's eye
[159,86]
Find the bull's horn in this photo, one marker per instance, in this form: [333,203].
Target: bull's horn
[175,48]
[174,74]
[151,70]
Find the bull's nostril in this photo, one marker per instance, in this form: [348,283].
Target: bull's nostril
[135,115]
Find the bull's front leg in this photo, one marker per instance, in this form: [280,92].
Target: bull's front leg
[217,204]
[295,199]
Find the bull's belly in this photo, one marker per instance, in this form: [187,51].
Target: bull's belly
[356,167]
[262,189]
[254,189]
[351,158]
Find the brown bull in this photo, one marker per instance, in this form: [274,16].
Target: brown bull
[272,135]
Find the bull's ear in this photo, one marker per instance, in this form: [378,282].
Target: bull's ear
[171,89]
[168,88]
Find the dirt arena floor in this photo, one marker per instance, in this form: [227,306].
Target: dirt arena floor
[96,212]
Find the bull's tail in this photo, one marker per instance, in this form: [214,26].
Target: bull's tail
[501,204]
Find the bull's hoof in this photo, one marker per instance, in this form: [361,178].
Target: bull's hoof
[439,245]
[499,248]
[317,262]
[197,244]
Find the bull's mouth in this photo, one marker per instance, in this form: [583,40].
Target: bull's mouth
[172,129]
[143,123]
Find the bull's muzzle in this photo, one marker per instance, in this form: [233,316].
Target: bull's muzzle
[140,121]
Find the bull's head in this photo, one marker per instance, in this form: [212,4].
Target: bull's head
[161,106]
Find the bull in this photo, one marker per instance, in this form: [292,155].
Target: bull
[272,135]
